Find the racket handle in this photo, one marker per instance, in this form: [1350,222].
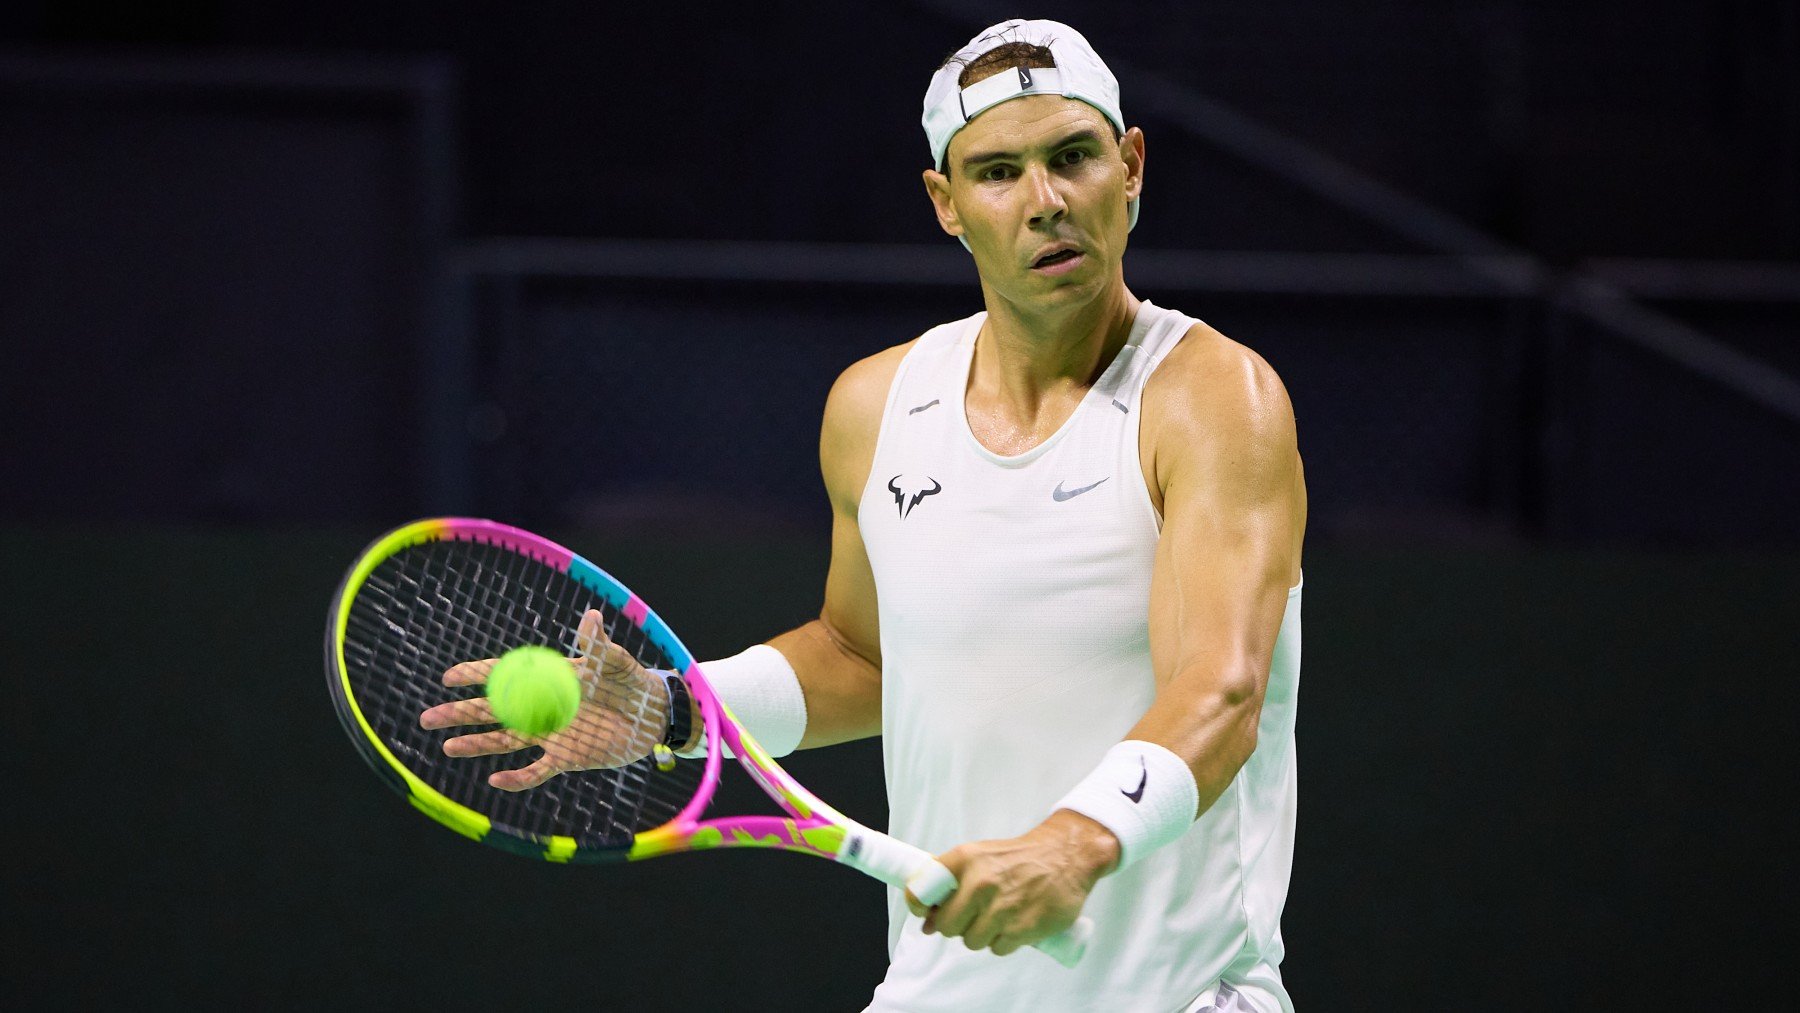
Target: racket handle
[1067,946]
[900,864]
[933,884]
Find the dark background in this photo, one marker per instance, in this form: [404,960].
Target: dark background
[275,277]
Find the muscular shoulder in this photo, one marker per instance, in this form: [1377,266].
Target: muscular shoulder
[1215,405]
[853,420]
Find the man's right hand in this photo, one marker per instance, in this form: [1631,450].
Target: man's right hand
[623,713]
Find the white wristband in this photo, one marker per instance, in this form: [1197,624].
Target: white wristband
[764,695]
[1143,793]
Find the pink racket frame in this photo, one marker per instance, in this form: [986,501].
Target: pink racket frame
[810,826]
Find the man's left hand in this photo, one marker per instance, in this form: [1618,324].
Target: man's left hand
[1014,892]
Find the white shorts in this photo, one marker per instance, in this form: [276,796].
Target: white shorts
[1228,998]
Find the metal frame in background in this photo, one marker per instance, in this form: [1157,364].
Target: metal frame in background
[1597,291]
[500,274]
[422,88]
[1601,294]
[1532,471]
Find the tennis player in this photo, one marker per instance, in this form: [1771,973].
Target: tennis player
[1064,585]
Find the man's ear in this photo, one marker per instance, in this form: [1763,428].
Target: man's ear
[1131,151]
[937,187]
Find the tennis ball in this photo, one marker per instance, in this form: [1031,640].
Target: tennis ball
[534,691]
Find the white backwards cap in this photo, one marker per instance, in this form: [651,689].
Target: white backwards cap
[1079,74]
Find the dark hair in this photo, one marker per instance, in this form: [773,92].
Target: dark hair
[1006,56]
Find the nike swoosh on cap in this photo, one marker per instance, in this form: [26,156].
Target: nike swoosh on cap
[1060,494]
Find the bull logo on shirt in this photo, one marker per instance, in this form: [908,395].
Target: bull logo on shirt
[907,494]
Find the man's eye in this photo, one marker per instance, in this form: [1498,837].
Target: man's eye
[995,174]
[1074,156]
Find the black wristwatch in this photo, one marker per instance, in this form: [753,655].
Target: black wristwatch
[681,711]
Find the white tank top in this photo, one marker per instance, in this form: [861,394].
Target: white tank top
[1014,604]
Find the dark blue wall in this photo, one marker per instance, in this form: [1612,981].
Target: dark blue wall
[253,310]
[1553,774]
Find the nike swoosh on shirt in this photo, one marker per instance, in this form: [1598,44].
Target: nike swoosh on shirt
[1060,494]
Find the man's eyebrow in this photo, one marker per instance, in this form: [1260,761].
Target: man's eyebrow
[1078,137]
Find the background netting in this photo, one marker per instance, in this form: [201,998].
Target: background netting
[433,605]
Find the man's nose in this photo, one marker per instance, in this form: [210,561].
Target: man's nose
[1047,204]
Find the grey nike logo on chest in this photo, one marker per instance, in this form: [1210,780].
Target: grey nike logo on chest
[1060,494]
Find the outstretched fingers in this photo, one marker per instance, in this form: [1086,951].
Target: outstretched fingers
[529,776]
[608,729]
[474,711]
[599,656]
[590,635]
[469,673]
[485,743]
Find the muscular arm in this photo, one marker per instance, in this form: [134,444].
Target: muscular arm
[838,655]
[1234,512]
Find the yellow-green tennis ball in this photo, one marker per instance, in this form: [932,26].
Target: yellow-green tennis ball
[534,691]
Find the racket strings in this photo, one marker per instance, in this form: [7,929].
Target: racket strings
[434,605]
[621,808]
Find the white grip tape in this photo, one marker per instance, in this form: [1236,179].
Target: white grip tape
[932,883]
[899,864]
[891,861]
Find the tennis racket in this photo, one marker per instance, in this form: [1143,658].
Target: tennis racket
[429,598]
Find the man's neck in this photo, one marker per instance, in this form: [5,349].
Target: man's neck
[1023,358]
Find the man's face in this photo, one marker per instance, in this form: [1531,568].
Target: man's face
[1038,186]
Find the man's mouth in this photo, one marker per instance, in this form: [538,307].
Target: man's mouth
[1060,262]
